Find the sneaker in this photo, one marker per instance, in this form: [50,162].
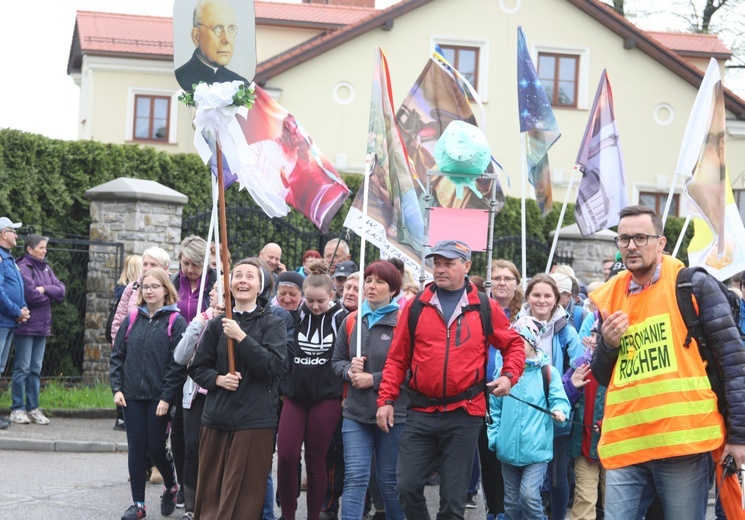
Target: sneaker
[500,516]
[180,498]
[471,501]
[327,515]
[37,417]
[4,423]
[19,417]
[119,425]
[168,500]
[188,516]
[134,512]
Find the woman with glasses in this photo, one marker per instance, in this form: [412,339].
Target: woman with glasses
[41,288]
[146,382]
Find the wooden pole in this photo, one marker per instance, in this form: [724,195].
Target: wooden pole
[224,253]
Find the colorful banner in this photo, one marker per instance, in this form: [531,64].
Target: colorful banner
[394,220]
[718,243]
[286,167]
[538,123]
[602,191]
[396,224]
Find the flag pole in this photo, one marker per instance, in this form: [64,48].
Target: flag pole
[206,263]
[360,293]
[224,246]
[561,220]
[669,200]
[490,244]
[523,223]
[681,236]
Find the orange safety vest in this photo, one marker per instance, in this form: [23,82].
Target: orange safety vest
[659,402]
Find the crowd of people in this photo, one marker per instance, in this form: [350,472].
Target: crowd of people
[561,399]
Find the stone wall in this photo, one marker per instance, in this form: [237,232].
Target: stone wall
[589,252]
[138,214]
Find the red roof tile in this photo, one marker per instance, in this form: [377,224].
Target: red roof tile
[684,43]
[311,13]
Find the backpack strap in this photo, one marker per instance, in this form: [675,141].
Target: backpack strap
[351,320]
[171,320]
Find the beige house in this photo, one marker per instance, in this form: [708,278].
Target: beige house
[317,60]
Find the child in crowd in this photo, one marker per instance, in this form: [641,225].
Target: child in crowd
[525,444]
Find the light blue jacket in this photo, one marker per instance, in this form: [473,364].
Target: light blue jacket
[528,435]
[12,298]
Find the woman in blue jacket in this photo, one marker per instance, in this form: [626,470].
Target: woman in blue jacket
[525,444]
[146,382]
[41,288]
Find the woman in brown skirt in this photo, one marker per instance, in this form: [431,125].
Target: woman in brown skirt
[240,413]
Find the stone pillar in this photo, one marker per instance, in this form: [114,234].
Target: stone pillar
[588,252]
[138,214]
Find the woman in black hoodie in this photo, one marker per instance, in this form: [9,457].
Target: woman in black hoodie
[240,412]
[312,405]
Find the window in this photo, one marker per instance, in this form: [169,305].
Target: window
[465,60]
[151,119]
[740,201]
[559,74]
[657,202]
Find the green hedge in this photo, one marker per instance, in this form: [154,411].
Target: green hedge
[43,183]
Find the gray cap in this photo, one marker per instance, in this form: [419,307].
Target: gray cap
[344,269]
[5,222]
[451,249]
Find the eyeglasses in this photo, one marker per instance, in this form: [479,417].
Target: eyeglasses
[219,30]
[640,240]
[503,279]
[153,287]
[11,230]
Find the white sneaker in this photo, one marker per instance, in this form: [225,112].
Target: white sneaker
[19,417]
[37,416]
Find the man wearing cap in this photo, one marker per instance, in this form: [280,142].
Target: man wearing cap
[566,291]
[445,351]
[341,273]
[13,310]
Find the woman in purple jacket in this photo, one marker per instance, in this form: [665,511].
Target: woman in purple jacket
[41,288]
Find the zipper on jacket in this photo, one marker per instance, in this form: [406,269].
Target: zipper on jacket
[445,368]
[457,331]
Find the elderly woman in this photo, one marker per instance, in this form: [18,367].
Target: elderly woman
[41,289]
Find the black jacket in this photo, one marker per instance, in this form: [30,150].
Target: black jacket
[194,71]
[258,358]
[722,334]
[142,365]
[311,375]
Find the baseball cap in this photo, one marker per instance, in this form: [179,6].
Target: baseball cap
[529,328]
[451,249]
[344,269]
[5,222]
[563,281]
[617,267]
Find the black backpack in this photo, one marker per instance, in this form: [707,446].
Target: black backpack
[684,296]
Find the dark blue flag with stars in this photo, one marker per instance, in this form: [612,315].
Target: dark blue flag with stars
[538,123]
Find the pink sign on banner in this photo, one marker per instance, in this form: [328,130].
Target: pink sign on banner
[469,225]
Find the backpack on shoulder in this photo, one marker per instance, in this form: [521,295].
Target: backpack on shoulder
[684,296]
[133,317]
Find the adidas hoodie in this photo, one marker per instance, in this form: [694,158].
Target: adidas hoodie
[311,375]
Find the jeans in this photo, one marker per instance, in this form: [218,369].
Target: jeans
[522,491]
[360,441]
[268,512]
[682,483]
[27,371]
[558,479]
[473,485]
[6,336]
[452,436]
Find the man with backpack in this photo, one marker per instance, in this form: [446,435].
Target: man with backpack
[442,340]
[661,418]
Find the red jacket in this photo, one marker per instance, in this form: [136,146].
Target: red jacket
[447,360]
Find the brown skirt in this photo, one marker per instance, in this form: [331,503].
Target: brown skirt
[233,472]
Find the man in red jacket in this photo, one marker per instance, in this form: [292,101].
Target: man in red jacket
[446,355]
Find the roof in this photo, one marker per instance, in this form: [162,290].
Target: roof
[689,44]
[152,36]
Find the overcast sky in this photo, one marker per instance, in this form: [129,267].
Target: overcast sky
[39,96]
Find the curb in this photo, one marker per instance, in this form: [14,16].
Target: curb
[62,446]
[75,413]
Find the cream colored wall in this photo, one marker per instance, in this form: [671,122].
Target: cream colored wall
[640,85]
[271,41]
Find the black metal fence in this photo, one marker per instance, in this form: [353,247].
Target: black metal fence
[249,229]
[70,259]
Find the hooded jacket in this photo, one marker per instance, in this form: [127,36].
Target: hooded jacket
[258,358]
[12,298]
[361,404]
[520,434]
[187,300]
[311,375]
[36,273]
[142,365]
[560,340]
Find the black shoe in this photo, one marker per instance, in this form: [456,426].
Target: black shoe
[471,501]
[168,500]
[327,515]
[4,423]
[434,478]
[134,512]
[180,498]
[379,515]
[119,425]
